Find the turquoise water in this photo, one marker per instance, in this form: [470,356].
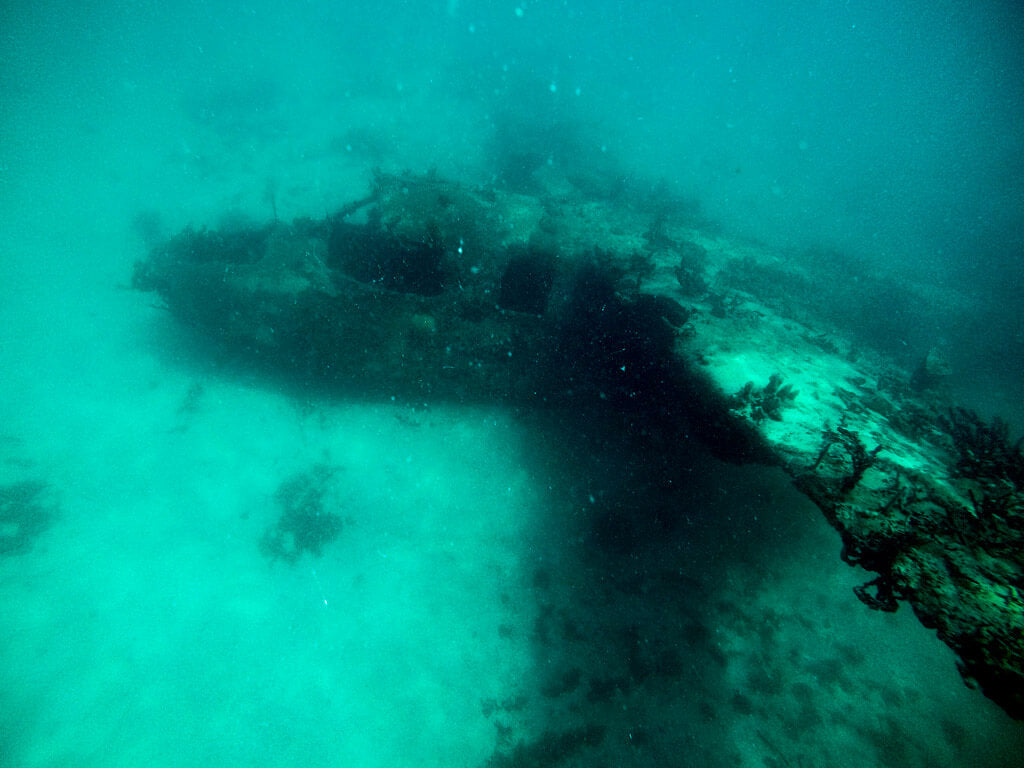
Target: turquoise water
[469,612]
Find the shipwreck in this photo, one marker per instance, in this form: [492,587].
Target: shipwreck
[425,288]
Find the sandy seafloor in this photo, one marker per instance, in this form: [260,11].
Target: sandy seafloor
[145,627]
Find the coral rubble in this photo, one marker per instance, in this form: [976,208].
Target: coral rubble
[306,524]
